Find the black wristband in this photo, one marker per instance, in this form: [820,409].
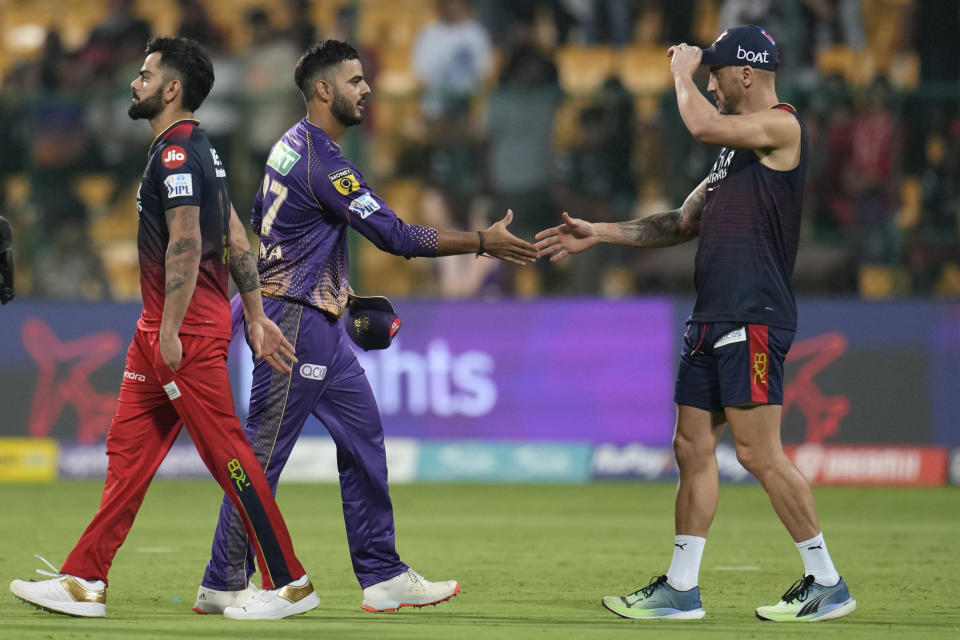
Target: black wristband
[481,250]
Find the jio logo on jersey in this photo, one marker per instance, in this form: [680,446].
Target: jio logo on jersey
[313,371]
[173,157]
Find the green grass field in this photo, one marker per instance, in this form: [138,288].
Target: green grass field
[533,562]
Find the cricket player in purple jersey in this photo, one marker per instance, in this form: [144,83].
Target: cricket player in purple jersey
[746,214]
[309,196]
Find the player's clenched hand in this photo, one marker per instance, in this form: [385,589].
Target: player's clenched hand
[267,342]
[171,350]
[500,243]
[573,236]
[684,58]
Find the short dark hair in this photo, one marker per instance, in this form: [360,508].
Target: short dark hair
[318,59]
[187,59]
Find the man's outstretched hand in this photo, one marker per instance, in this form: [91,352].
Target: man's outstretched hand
[500,243]
[573,236]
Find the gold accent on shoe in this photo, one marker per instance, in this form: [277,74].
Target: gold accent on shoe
[295,594]
[81,593]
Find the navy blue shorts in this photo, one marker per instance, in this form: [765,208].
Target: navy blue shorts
[724,364]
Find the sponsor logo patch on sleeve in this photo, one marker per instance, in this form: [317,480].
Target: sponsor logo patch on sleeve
[173,157]
[363,205]
[344,180]
[179,185]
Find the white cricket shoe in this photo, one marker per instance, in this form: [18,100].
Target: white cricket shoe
[214,601]
[64,594]
[409,589]
[273,604]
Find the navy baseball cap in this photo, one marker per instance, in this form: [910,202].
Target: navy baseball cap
[748,45]
[371,321]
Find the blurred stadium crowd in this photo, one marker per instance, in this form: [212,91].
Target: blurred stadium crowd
[536,105]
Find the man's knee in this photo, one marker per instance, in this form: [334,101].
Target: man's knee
[759,461]
[692,453]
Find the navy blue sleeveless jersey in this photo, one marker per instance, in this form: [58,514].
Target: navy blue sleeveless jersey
[749,233]
[184,169]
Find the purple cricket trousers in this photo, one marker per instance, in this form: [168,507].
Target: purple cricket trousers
[328,382]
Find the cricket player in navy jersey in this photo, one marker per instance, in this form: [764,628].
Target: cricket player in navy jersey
[189,239]
[747,216]
[310,195]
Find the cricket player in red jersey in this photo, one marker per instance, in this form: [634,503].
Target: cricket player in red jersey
[189,239]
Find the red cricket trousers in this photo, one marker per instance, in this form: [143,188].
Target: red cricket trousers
[154,401]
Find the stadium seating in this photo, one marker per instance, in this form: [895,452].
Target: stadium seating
[584,69]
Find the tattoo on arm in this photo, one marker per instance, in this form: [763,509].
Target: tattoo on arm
[243,269]
[176,275]
[660,230]
[668,228]
[183,249]
[186,222]
[693,206]
[180,247]
[174,282]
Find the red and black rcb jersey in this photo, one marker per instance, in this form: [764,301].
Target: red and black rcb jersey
[749,234]
[184,169]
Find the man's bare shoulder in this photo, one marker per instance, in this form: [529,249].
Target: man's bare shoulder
[782,131]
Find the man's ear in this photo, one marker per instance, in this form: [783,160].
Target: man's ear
[747,76]
[171,89]
[324,90]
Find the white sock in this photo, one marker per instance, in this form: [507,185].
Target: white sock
[299,582]
[817,562]
[684,572]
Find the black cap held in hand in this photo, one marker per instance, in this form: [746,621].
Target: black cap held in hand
[746,46]
[371,322]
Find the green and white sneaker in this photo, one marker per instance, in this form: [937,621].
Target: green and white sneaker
[657,600]
[807,601]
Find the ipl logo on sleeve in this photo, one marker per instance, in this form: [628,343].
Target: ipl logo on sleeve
[364,205]
[179,185]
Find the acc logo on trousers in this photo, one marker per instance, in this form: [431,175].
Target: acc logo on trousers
[313,371]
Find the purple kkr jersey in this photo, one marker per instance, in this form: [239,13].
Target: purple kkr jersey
[310,194]
[749,233]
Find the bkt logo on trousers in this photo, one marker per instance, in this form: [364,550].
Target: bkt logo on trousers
[313,371]
[752,56]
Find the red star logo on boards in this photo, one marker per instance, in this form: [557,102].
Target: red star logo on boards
[54,391]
